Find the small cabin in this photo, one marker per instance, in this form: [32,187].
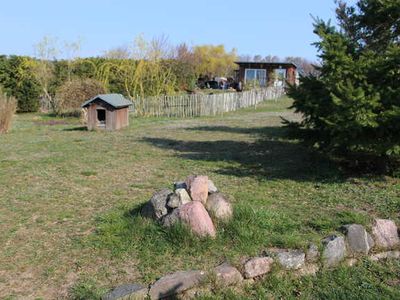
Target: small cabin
[107,111]
[267,73]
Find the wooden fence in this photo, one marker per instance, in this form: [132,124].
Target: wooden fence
[196,105]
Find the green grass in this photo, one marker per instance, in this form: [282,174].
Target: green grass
[70,201]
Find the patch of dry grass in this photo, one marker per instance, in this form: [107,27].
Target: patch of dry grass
[8,107]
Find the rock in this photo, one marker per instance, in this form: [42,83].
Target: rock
[199,189]
[180,185]
[334,250]
[227,275]
[351,262]
[156,207]
[308,270]
[219,207]
[385,233]
[195,293]
[257,266]
[291,259]
[211,187]
[312,254]
[127,292]
[179,198]
[171,219]
[386,255]
[188,181]
[173,201]
[175,283]
[357,239]
[371,241]
[197,218]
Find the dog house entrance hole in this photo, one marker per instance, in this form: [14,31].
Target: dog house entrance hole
[101,117]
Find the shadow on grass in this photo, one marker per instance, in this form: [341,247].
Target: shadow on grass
[80,128]
[272,156]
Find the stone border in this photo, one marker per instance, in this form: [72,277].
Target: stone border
[354,243]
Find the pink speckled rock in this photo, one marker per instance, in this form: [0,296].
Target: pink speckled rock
[257,266]
[385,233]
[199,189]
[197,218]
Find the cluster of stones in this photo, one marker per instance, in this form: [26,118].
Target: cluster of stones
[355,242]
[194,202]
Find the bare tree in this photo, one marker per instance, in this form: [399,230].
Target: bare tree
[71,51]
[184,53]
[43,69]
[272,58]
[121,52]
[257,58]
[245,58]
[305,66]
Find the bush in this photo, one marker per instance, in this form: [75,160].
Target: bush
[27,94]
[71,95]
[352,109]
[18,81]
[8,107]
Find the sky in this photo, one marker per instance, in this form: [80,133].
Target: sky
[276,27]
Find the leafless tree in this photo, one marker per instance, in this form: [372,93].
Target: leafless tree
[121,52]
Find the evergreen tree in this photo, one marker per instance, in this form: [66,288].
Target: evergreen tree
[352,108]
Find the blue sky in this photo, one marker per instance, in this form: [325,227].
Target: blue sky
[278,27]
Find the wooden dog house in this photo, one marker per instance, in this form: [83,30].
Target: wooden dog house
[107,111]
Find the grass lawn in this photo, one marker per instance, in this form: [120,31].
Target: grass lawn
[69,202]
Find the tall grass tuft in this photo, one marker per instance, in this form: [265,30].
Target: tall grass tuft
[8,107]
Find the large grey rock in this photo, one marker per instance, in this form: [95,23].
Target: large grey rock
[385,233]
[219,207]
[358,239]
[128,292]
[227,275]
[156,207]
[175,283]
[257,266]
[171,219]
[312,254]
[334,250]
[197,218]
[291,259]
[179,198]
[211,187]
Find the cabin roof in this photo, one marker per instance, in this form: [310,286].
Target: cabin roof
[273,64]
[115,100]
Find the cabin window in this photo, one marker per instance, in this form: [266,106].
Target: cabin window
[101,117]
[258,76]
[280,77]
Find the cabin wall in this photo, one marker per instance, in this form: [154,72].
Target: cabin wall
[122,118]
[290,72]
[92,117]
[291,75]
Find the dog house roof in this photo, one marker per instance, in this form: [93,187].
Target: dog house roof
[115,100]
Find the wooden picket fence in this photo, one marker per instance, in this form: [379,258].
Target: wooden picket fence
[195,105]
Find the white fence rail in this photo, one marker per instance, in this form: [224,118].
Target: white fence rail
[196,105]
